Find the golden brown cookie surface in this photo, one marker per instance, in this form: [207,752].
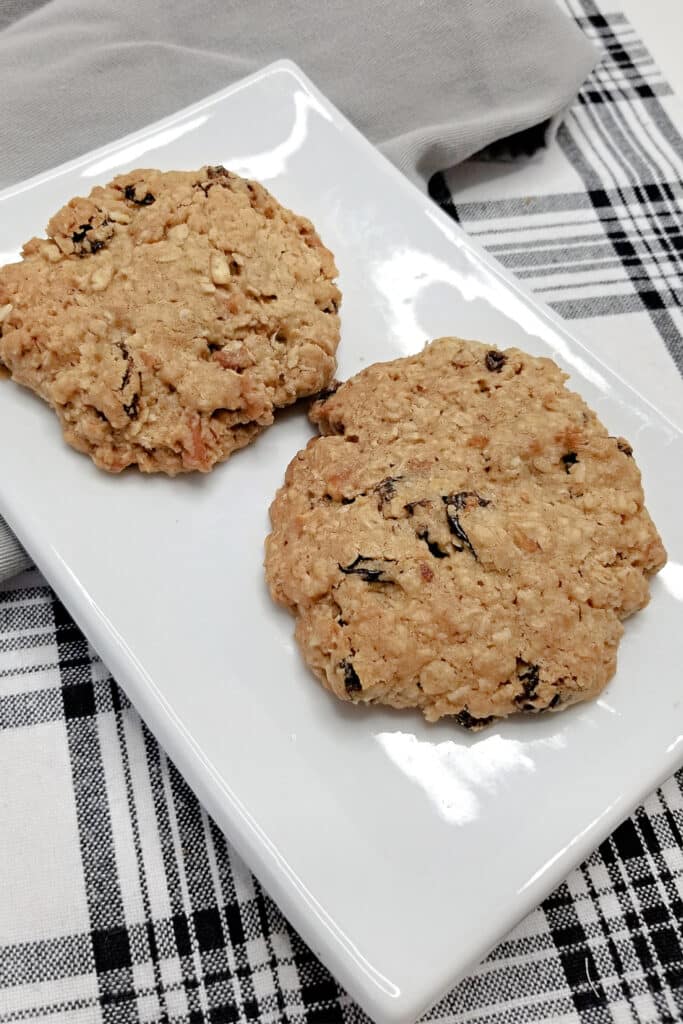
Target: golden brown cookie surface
[168,314]
[466,539]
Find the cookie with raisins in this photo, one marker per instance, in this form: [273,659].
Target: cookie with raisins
[166,316]
[466,538]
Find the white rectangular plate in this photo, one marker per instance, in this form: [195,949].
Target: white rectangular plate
[401,851]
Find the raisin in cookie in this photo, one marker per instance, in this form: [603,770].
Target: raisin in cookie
[167,315]
[466,539]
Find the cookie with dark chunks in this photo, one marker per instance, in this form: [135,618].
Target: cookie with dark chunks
[466,538]
[167,316]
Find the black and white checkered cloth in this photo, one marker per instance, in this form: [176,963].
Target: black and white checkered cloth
[120,900]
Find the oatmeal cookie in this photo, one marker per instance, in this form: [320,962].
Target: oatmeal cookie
[168,314]
[466,538]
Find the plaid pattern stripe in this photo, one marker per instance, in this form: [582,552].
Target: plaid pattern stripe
[612,241]
[120,900]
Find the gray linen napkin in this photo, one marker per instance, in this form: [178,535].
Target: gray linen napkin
[431,83]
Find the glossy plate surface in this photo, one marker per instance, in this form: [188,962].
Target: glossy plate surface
[401,851]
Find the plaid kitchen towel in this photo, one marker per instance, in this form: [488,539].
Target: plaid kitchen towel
[120,901]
